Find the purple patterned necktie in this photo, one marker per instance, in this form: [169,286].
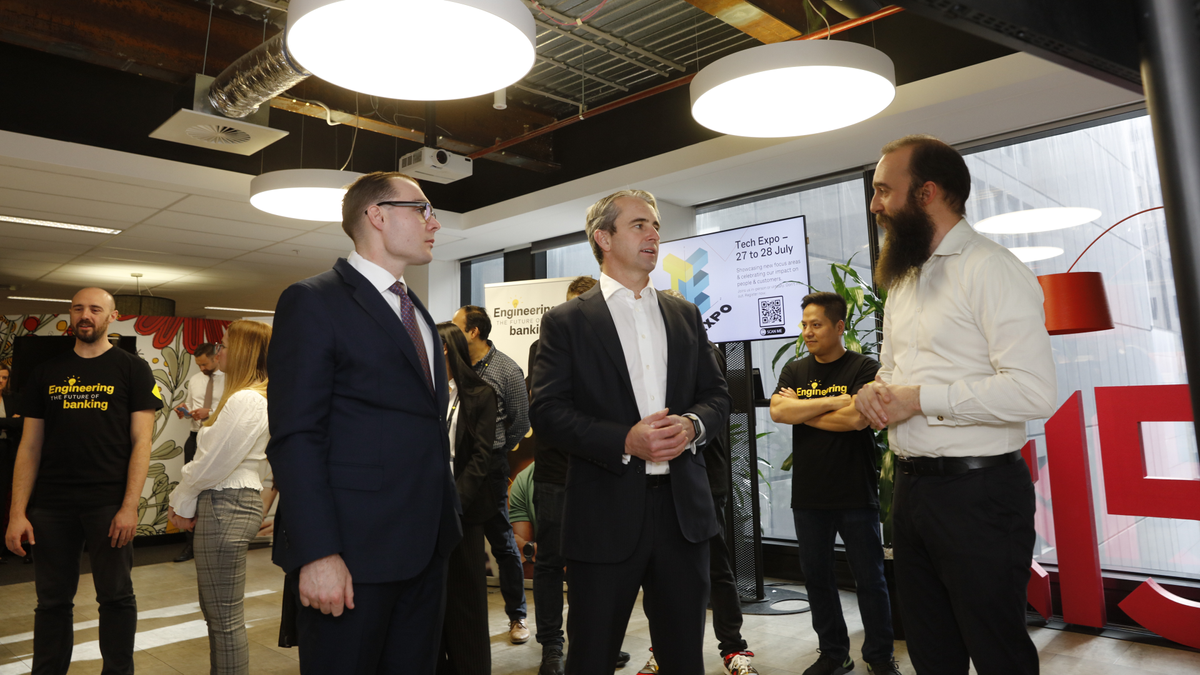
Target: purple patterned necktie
[409,317]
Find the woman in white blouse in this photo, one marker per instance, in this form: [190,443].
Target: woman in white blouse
[219,493]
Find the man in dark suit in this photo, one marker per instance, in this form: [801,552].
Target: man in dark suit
[626,381]
[358,399]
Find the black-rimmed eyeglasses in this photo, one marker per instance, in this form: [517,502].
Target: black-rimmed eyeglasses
[426,207]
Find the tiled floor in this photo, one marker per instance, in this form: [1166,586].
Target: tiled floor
[172,637]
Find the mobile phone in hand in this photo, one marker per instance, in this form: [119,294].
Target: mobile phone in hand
[183,409]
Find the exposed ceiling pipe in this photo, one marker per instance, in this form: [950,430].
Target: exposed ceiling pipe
[667,86]
[257,77]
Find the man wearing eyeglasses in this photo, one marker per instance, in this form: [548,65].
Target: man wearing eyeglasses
[358,396]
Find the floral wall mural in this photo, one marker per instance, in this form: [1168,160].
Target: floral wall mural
[167,344]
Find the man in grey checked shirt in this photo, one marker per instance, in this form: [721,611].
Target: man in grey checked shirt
[512,423]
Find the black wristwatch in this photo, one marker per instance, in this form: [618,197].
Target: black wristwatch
[695,426]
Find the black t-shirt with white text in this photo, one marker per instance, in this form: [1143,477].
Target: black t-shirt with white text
[832,469]
[87,405]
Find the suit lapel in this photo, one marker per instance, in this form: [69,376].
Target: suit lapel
[676,329]
[441,381]
[368,297]
[595,310]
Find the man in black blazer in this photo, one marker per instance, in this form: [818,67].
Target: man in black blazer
[625,380]
[358,398]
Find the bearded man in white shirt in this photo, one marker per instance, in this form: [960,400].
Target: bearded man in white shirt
[204,392]
[966,362]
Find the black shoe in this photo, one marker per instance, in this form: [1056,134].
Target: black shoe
[185,555]
[552,661]
[830,666]
[889,667]
[622,659]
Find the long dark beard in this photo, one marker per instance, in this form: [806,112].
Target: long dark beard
[907,245]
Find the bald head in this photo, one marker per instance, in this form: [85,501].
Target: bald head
[92,309]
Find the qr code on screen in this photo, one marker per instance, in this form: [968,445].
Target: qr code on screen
[770,311]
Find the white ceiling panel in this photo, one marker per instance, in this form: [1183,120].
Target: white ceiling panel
[25,271]
[73,207]
[337,242]
[8,253]
[153,232]
[117,255]
[243,211]
[290,262]
[62,248]
[125,241]
[51,183]
[291,250]
[214,225]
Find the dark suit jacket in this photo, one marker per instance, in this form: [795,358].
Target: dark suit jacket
[473,440]
[359,443]
[583,402]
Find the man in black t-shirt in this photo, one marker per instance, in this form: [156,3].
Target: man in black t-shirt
[81,466]
[835,486]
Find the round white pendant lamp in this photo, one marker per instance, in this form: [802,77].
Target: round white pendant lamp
[1028,254]
[304,194]
[1037,220]
[415,50]
[793,88]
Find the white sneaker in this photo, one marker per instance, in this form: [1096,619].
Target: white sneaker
[738,663]
[651,666]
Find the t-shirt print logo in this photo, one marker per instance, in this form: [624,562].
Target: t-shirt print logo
[157,392]
[815,390]
[76,396]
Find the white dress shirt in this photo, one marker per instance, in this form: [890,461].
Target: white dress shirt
[196,386]
[230,454]
[382,280]
[643,338]
[452,415]
[971,331]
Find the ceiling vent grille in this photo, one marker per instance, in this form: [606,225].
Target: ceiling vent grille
[218,134]
[196,123]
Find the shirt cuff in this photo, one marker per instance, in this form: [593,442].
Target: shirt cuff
[701,439]
[935,403]
[183,502]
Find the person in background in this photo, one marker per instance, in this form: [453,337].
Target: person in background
[203,390]
[512,422]
[467,649]
[549,480]
[219,495]
[639,511]
[835,489]
[10,439]
[81,467]
[965,363]
[369,512]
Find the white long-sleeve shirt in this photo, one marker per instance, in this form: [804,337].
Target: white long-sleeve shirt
[196,386]
[230,454]
[971,331]
[643,336]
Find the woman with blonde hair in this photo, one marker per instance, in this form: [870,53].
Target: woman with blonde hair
[219,493]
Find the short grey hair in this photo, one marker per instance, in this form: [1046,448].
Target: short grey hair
[603,216]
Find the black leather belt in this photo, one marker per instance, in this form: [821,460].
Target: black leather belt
[658,480]
[949,466]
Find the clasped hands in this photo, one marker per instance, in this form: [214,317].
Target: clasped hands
[883,404]
[659,437]
[181,523]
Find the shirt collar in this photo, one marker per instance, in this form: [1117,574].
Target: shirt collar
[610,287]
[955,239]
[380,278]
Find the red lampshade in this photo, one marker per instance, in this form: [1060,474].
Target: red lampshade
[1075,302]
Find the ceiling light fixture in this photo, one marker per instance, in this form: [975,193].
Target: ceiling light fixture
[238,309]
[1028,254]
[1037,220]
[304,194]
[61,226]
[464,47]
[22,297]
[793,88]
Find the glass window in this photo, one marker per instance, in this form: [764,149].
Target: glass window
[572,261]
[1110,167]
[836,220]
[479,272]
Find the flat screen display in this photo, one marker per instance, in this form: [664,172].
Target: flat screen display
[736,278]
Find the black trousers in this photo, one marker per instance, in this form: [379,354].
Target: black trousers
[548,566]
[395,627]
[963,545]
[60,539]
[466,647]
[673,574]
[726,603]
